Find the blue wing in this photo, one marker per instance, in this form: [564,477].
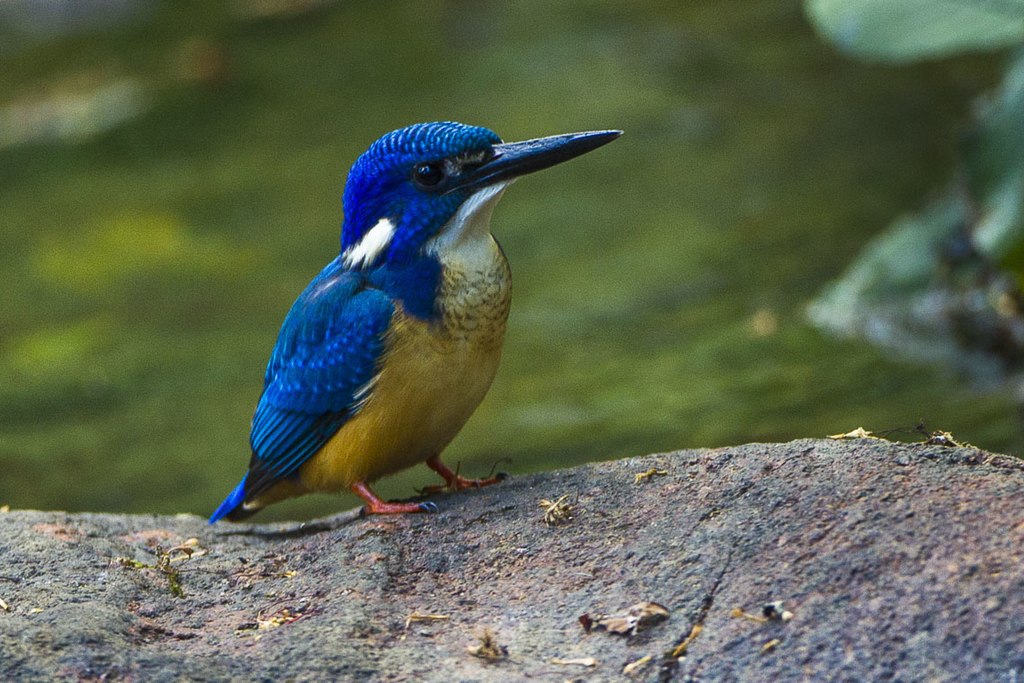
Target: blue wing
[327,352]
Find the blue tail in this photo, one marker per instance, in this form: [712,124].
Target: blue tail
[231,503]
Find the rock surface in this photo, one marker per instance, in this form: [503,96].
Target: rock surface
[897,562]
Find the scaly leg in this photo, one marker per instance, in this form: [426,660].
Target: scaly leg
[455,482]
[376,506]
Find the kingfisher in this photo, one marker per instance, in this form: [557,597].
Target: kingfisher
[388,351]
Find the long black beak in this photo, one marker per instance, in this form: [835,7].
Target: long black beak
[513,159]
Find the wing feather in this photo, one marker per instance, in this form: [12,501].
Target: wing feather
[327,353]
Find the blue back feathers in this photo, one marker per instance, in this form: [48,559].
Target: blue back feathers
[327,352]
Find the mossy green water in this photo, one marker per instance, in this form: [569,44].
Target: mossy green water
[660,283]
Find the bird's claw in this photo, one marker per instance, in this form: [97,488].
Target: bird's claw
[458,483]
[428,507]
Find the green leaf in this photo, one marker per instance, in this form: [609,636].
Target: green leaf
[906,30]
[993,154]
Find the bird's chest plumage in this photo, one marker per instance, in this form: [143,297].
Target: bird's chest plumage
[453,358]
[474,303]
[433,374]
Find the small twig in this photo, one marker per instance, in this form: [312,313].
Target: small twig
[680,649]
[497,462]
[636,664]
[738,613]
[579,661]
[416,617]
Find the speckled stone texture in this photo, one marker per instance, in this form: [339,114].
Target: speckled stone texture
[898,562]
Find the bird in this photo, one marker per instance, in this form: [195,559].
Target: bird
[391,347]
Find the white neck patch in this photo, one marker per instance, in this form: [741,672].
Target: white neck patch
[374,242]
[473,219]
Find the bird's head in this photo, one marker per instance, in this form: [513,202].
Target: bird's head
[432,182]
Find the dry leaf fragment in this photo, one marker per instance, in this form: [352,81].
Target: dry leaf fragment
[770,645]
[858,433]
[630,621]
[653,472]
[5,508]
[556,512]
[279,618]
[487,647]
[4,606]
[186,551]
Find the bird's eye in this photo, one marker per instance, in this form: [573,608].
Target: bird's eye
[428,175]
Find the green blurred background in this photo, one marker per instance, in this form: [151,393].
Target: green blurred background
[170,178]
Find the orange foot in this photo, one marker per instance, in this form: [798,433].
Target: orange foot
[454,482]
[376,506]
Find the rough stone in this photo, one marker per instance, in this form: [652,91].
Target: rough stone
[898,562]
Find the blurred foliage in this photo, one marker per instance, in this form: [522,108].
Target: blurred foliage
[944,284]
[993,163]
[136,246]
[170,182]
[907,30]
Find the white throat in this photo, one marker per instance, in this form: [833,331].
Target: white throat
[470,227]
